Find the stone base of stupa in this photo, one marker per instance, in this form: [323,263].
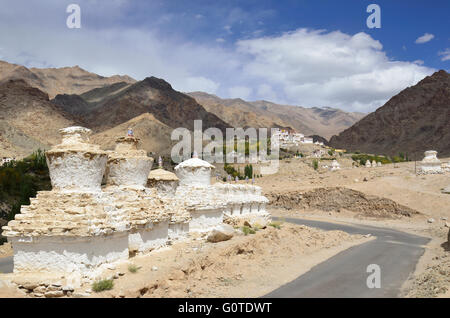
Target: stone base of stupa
[178,231]
[149,238]
[430,169]
[243,202]
[82,255]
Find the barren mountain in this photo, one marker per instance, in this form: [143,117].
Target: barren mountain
[106,107]
[65,80]
[309,121]
[415,120]
[238,112]
[28,120]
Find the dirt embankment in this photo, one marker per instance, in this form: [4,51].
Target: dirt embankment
[337,198]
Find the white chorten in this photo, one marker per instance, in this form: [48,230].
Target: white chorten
[76,165]
[378,164]
[374,163]
[194,172]
[164,181]
[335,165]
[368,164]
[128,166]
[430,164]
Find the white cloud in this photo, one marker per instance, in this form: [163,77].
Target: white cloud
[315,68]
[220,40]
[239,92]
[427,37]
[193,84]
[445,54]
[266,92]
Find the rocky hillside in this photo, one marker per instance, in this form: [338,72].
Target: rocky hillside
[53,81]
[106,107]
[415,120]
[323,122]
[28,120]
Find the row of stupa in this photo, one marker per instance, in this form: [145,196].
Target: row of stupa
[107,205]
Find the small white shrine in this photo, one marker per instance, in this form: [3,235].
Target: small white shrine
[335,165]
[430,164]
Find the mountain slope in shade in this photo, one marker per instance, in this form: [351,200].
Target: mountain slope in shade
[309,121]
[107,107]
[415,120]
[53,81]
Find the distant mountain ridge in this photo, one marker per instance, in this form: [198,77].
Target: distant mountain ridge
[323,122]
[413,121]
[54,81]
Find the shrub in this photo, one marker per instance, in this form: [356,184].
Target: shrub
[315,164]
[248,230]
[132,268]
[276,224]
[101,285]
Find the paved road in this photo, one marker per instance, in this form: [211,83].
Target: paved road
[6,265]
[345,274]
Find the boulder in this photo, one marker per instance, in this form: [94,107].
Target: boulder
[221,233]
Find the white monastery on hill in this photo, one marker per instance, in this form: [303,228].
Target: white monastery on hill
[107,205]
[290,138]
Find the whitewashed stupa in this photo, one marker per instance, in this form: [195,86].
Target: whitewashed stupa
[164,181]
[335,165]
[368,164]
[69,229]
[128,166]
[81,226]
[430,164]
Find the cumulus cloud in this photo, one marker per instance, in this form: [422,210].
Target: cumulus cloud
[427,37]
[314,67]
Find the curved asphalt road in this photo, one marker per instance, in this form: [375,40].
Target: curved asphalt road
[344,275]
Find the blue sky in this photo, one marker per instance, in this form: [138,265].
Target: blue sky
[308,53]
